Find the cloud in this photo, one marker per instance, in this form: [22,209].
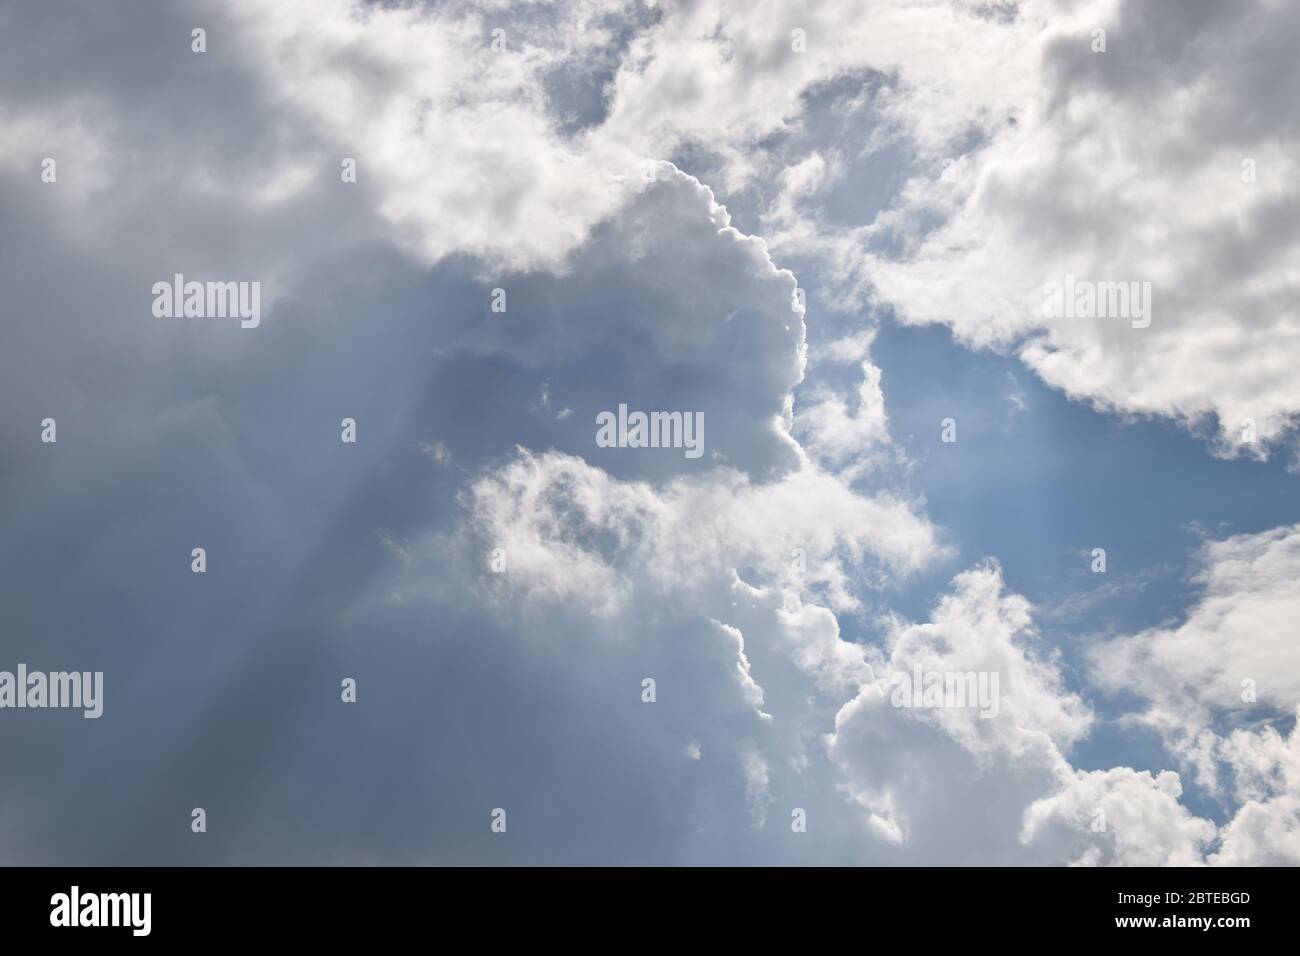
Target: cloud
[928,778]
[1119,817]
[373,561]
[1265,768]
[1007,121]
[449,119]
[1214,684]
[571,531]
[834,431]
[1059,172]
[1231,657]
[950,785]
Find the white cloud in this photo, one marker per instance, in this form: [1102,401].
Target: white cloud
[1059,171]
[757,783]
[1229,662]
[1265,769]
[1057,168]
[834,430]
[1237,631]
[930,778]
[547,511]
[457,137]
[1119,817]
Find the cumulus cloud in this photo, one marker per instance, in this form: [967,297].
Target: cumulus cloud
[1033,160]
[446,111]
[1119,817]
[1265,769]
[918,781]
[925,774]
[1215,684]
[569,530]
[1232,656]
[1059,171]
[927,778]
[632,558]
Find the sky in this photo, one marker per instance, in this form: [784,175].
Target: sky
[437,619]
